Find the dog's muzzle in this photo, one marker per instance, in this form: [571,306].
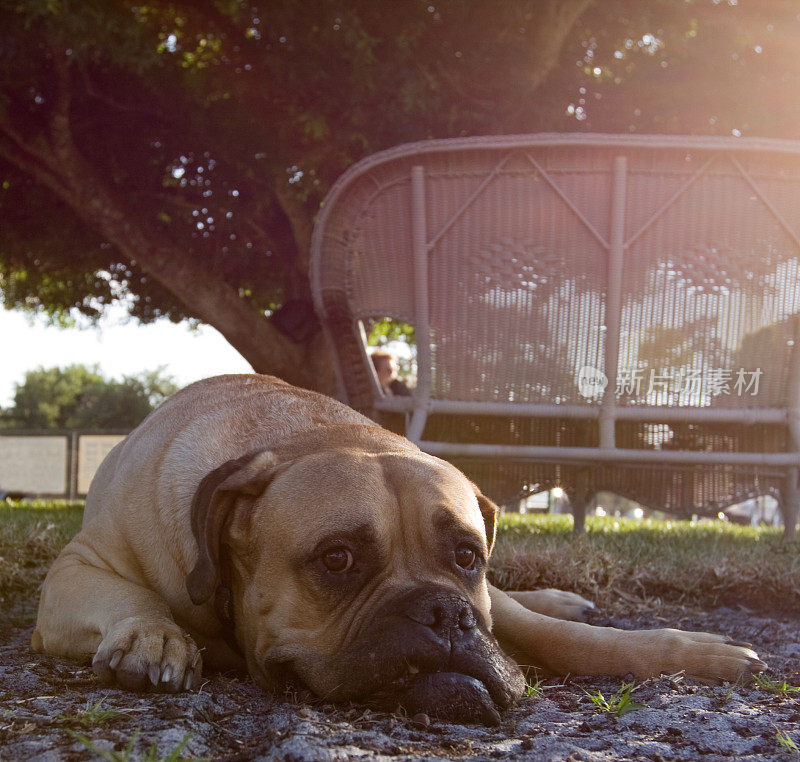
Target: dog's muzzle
[427,650]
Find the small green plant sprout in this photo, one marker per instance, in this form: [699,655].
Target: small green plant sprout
[785,740]
[127,755]
[724,699]
[714,693]
[620,703]
[93,714]
[533,690]
[781,688]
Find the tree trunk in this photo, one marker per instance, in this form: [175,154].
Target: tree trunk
[58,165]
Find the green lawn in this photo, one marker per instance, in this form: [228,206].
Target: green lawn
[704,563]
[31,536]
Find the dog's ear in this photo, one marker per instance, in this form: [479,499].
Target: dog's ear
[490,511]
[212,506]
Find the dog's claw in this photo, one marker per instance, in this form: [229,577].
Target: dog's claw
[187,683]
[756,665]
[141,654]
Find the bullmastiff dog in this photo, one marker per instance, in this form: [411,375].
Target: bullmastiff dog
[249,524]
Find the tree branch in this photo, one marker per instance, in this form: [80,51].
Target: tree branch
[60,130]
[551,23]
[262,234]
[299,220]
[38,153]
[554,21]
[92,91]
[178,201]
[29,160]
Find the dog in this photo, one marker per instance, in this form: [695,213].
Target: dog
[248,524]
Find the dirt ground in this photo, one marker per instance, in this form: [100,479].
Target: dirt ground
[42,699]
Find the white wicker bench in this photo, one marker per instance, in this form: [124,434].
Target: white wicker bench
[534,268]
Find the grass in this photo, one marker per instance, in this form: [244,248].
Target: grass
[781,688]
[785,740]
[620,703]
[150,754]
[93,714]
[706,563]
[533,690]
[31,536]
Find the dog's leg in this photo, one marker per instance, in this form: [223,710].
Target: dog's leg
[559,647]
[555,603]
[87,610]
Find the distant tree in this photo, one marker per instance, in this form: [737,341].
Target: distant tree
[173,154]
[77,397]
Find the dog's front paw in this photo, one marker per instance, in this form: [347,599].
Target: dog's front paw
[558,604]
[707,657]
[139,653]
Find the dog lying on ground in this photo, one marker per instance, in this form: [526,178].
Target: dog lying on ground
[275,530]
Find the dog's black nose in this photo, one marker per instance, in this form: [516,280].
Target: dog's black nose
[447,614]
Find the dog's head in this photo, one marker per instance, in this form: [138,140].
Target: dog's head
[359,568]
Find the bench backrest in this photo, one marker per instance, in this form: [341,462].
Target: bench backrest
[608,278]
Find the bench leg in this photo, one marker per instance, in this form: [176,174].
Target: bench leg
[579,500]
[789,504]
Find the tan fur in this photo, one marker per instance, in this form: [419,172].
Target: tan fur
[119,587]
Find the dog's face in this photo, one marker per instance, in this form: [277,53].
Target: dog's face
[362,574]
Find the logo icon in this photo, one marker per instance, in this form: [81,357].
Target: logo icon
[592,382]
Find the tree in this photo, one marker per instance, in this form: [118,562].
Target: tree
[173,154]
[77,397]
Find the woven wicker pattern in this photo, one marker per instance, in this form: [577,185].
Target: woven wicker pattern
[669,265]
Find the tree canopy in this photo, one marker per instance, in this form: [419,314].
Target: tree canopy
[172,155]
[77,397]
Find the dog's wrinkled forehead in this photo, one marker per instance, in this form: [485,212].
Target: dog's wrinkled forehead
[435,485]
[375,488]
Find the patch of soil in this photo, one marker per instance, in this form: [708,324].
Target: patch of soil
[42,699]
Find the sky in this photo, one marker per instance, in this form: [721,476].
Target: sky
[118,347]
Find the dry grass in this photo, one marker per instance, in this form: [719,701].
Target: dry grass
[31,536]
[706,563]
[699,563]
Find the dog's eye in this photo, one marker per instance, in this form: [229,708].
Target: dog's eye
[465,557]
[337,560]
